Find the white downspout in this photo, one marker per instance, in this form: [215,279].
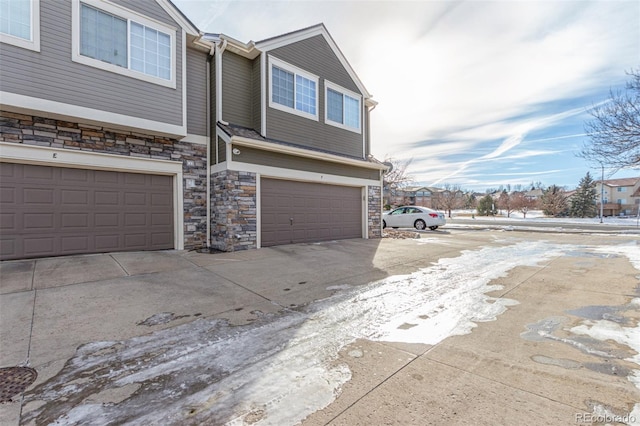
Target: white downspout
[220,48]
[208,89]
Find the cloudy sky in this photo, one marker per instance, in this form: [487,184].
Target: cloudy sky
[475,93]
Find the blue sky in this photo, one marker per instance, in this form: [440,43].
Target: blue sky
[477,93]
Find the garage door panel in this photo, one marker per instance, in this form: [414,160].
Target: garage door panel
[7,195]
[73,176]
[37,173]
[135,240]
[134,219]
[38,245]
[7,221]
[161,238]
[106,219]
[320,212]
[161,219]
[74,244]
[38,195]
[72,196]
[8,246]
[107,198]
[161,200]
[49,211]
[75,220]
[107,242]
[38,221]
[105,177]
[134,179]
[135,198]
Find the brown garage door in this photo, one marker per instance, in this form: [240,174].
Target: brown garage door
[52,211]
[297,212]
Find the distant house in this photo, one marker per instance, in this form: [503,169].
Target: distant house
[534,194]
[419,195]
[621,197]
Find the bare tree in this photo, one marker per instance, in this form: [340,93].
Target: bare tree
[396,179]
[614,131]
[505,203]
[450,198]
[522,203]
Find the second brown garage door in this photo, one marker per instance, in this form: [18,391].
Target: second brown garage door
[52,211]
[298,212]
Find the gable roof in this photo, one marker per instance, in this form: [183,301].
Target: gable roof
[252,49]
[305,33]
[180,18]
[622,182]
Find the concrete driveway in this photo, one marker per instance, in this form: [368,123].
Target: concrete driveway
[527,364]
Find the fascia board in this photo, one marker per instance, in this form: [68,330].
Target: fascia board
[178,16]
[300,152]
[247,50]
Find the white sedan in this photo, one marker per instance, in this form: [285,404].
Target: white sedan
[413,217]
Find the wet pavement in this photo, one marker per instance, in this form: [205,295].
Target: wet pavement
[457,327]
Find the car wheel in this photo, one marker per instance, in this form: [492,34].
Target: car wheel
[384,224]
[433,228]
[420,225]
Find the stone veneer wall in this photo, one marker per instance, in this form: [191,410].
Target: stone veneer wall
[375,211]
[233,210]
[33,130]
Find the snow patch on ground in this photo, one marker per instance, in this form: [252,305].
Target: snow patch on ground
[283,367]
[608,330]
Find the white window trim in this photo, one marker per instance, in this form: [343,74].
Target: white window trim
[329,85]
[34,42]
[296,71]
[129,15]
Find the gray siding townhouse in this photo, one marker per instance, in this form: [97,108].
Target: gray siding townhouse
[123,127]
[104,133]
[291,158]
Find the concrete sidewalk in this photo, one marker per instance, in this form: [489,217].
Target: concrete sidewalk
[50,307]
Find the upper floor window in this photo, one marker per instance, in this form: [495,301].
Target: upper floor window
[622,189]
[342,107]
[293,90]
[20,23]
[110,37]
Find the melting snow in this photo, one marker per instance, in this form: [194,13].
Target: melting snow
[281,368]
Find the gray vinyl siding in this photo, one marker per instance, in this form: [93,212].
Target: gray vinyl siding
[285,161]
[283,126]
[236,89]
[256,99]
[50,74]
[196,92]
[315,56]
